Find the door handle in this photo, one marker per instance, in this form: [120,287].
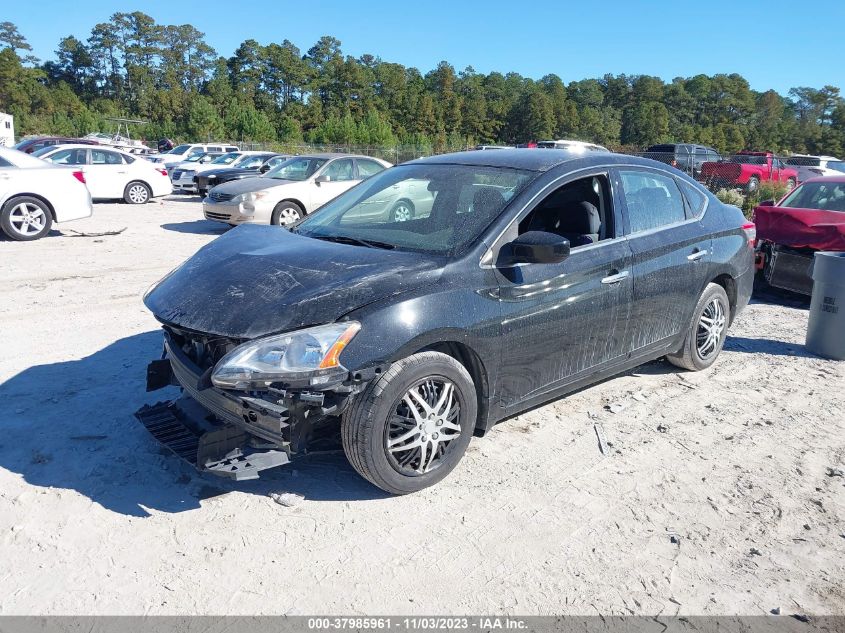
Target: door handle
[616,277]
[696,255]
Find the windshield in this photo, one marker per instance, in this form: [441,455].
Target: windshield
[829,196]
[179,149]
[225,159]
[299,168]
[439,209]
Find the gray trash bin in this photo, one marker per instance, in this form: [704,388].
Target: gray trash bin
[826,329]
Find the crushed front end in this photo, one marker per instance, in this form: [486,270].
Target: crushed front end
[238,433]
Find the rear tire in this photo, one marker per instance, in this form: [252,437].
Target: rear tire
[286,213]
[753,184]
[402,211]
[25,219]
[707,331]
[137,192]
[403,450]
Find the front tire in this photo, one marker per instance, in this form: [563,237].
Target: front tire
[286,213]
[707,332]
[412,424]
[137,192]
[25,219]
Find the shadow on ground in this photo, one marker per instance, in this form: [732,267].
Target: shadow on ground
[766,346]
[197,227]
[186,197]
[70,425]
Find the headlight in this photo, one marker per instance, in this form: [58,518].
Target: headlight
[252,196]
[313,352]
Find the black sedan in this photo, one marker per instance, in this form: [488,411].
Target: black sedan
[260,164]
[532,275]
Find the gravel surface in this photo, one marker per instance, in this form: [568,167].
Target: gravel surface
[720,492]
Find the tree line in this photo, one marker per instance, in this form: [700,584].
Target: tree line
[168,75]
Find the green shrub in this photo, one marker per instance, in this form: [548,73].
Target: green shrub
[770,191]
[731,196]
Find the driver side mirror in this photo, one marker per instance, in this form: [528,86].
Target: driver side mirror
[264,169]
[767,203]
[534,247]
[322,178]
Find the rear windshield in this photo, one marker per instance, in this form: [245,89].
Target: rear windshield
[179,149]
[829,196]
[748,159]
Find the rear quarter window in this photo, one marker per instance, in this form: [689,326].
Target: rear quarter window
[696,200]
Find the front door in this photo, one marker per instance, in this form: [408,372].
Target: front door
[341,176]
[670,257]
[562,321]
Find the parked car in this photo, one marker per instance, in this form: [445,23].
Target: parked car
[112,174]
[810,218]
[184,175]
[291,190]
[186,150]
[177,170]
[572,146]
[531,277]
[30,145]
[809,166]
[213,177]
[746,170]
[687,157]
[35,194]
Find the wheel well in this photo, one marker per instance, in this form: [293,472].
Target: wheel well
[33,195]
[467,357]
[729,284]
[296,202]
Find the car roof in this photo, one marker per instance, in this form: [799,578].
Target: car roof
[532,159]
[91,147]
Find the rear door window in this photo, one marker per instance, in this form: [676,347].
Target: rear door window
[367,168]
[653,200]
[102,157]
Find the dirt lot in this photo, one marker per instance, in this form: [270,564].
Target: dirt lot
[722,492]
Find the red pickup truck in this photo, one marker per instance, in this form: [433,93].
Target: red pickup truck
[747,170]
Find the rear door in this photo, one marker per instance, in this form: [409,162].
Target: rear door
[671,257]
[106,174]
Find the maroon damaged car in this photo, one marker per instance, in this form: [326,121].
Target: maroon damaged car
[808,219]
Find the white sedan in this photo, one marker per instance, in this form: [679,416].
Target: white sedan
[111,173]
[289,191]
[34,194]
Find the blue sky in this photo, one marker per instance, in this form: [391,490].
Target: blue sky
[774,44]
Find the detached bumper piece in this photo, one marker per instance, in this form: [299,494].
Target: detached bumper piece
[223,451]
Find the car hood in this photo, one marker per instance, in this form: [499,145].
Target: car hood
[259,280]
[818,229]
[248,185]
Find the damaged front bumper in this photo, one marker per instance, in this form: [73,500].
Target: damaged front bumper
[233,434]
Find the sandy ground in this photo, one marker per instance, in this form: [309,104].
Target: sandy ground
[715,498]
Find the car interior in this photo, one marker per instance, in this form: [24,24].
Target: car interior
[580,211]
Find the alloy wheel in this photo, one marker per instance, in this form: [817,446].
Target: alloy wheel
[138,194]
[711,326]
[423,427]
[402,212]
[27,219]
